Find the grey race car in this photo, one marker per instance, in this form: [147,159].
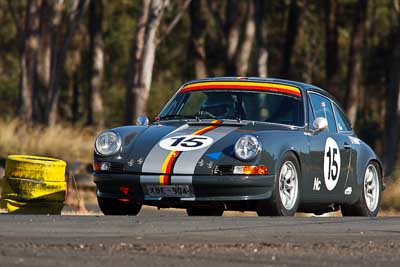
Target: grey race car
[267,145]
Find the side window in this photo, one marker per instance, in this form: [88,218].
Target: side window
[322,108]
[311,116]
[341,119]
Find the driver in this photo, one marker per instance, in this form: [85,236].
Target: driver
[220,105]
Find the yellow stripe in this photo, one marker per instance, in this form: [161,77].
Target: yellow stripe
[172,153]
[274,85]
[165,164]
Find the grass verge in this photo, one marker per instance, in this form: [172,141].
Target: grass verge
[59,141]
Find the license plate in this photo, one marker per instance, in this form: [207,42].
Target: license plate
[169,190]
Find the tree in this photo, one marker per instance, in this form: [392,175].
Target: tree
[196,49]
[96,64]
[236,30]
[392,110]
[246,43]
[28,60]
[78,8]
[293,27]
[261,39]
[142,58]
[355,59]
[331,48]
[43,57]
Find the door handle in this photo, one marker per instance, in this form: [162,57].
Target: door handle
[346,145]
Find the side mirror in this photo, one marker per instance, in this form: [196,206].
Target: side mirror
[320,124]
[142,120]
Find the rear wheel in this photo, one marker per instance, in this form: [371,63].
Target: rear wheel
[204,211]
[112,206]
[368,204]
[286,193]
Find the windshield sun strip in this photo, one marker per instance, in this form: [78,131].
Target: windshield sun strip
[243,86]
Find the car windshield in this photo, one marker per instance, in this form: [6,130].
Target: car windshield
[255,106]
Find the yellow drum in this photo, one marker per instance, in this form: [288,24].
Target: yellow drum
[34,185]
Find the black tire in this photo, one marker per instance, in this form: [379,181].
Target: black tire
[360,208]
[274,206]
[112,206]
[197,211]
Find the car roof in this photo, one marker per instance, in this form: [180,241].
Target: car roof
[302,86]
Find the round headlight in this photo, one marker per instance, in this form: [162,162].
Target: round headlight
[247,147]
[108,143]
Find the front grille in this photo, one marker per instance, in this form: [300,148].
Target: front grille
[223,169]
[116,167]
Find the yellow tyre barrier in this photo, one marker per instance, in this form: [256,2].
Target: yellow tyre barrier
[26,189]
[39,207]
[34,185]
[35,168]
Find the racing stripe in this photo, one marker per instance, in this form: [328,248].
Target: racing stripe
[156,155]
[257,86]
[187,162]
[170,160]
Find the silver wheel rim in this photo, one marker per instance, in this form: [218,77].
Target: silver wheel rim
[288,185]
[371,187]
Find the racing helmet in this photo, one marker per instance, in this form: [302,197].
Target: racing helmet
[218,104]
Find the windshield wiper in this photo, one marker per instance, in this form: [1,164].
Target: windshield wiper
[179,117]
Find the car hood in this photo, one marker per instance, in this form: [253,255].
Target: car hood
[148,154]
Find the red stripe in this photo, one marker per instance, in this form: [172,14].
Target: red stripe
[243,87]
[172,160]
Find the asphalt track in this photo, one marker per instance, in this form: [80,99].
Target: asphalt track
[172,239]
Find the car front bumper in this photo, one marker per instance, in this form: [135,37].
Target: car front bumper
[218,188]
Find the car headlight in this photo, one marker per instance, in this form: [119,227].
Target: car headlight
[108,143]
[247,147]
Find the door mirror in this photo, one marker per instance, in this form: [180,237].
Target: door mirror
[142,120]
[320,124]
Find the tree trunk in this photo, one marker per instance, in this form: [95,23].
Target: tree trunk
[392,111]
[232,35]
[296,14]
[331,48]
[96,61]
[197,39]
[28,60]
[355,59]
[75,97]
[246,44]
[143,51]
[261,39]
[79,7]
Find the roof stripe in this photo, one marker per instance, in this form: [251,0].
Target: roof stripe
[254,86]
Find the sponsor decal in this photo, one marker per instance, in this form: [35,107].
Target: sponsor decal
[131,162]
[317,184]
[253,86]
[170,160]
[214,155]
[348,191]
[186,142]
[331,163]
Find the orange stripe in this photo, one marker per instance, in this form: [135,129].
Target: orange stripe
[173,155]
[256,86]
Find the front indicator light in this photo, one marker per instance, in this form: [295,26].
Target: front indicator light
[101,166]
[259,170]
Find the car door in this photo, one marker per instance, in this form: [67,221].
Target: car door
[328,154]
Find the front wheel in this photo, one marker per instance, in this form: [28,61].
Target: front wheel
[112,206]
[368,204]
[286,194]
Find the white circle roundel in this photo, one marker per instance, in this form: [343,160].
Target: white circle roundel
[186,142]
[331,163]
